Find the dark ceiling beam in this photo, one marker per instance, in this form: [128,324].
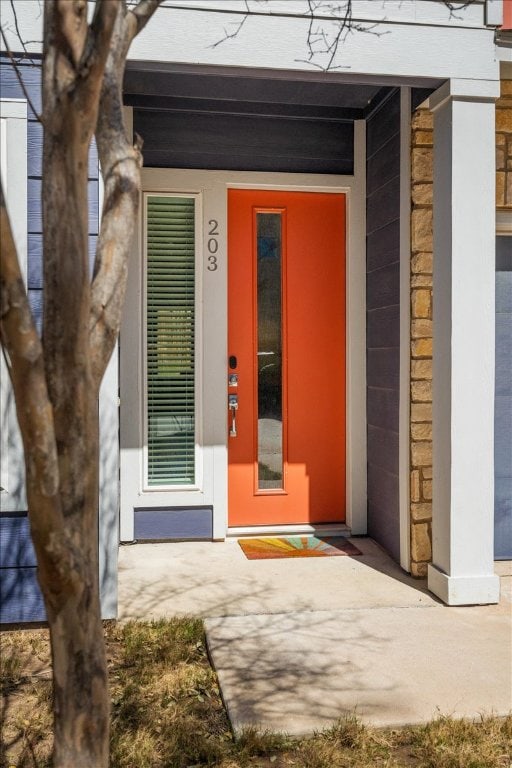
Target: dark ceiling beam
[246,89]
[230,107]
[331,78]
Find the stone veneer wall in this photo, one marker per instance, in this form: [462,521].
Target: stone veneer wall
[504,147]
[421,309]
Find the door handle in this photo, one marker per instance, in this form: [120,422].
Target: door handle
[233,408]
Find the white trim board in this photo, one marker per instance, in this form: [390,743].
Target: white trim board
[212,186]
[13,169]
[404,437]
[322,529]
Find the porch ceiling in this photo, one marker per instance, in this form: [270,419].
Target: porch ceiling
[254,120]
[237,94]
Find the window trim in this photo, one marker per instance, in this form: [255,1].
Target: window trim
[13,159]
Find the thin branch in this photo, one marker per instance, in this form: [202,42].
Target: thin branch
[455,7]
[238,25]
[16,27]
[20,79]
[71,22]
[24,357]
[321,43]
[97,45]
[120,165]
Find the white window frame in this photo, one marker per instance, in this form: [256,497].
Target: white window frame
[13,169]
[198,399]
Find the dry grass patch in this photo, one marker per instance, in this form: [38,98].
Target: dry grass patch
[447,743]
[167,713]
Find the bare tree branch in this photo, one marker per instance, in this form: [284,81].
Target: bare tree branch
[20,79]
[143,12]
[18,33]
[24,357]
[236,28]
[120,164]
[458,5]
[71,23]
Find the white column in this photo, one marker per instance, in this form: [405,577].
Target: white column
[462,571]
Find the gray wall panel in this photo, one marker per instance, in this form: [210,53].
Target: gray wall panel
[384,164]
[383,327]
[382,408]
[382,525]
[383,449]
[503,436]
[383,125]
[504,290]
[241,142]
[503,403]
[381,245]
[383,322]
[381,204]
[382,368]
[381,286]
[173,524]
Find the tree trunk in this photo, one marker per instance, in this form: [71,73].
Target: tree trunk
[70,107]
[81,699]
[56,382]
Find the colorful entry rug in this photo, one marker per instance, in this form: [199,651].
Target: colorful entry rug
[297,546]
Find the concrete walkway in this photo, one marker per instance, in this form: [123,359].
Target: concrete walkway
[298,643]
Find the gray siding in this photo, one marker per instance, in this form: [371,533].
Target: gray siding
[173,524]
[241,142]
[503,402]
[383,321]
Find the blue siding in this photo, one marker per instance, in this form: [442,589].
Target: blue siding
[503,402]
[383,321]
[172,524]
[16,550]
[20,596]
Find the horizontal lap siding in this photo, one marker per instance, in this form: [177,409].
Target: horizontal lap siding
[246,143]
[383,322]
[20,596]
[503,403]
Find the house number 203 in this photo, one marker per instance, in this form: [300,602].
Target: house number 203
[213,244]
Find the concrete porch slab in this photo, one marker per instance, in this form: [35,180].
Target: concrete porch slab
[299,672]
[215,579]
[296,643]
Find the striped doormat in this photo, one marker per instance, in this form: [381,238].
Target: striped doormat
[297,546]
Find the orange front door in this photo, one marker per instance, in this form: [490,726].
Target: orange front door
[286,345]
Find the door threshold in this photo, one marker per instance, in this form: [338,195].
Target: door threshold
[321,529]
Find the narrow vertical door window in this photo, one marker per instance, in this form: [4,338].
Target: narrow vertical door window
[269,350]
[170,340]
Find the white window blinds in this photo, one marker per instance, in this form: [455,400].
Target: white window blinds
[170,340]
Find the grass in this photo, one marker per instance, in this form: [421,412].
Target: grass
[167,713]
